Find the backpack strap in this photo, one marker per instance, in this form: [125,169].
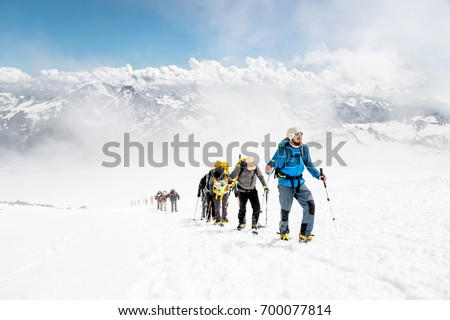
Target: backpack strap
[289,155]
[302,154]
[253,177]
[279,174]
[240,172]
[288,158]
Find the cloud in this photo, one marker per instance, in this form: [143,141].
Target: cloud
[13,76]
[395,50]
[323,72]
[366,70]
[411,28]
[377,47]
[415,30]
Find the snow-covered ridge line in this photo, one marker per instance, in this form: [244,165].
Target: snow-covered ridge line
[24,203]
[20,203]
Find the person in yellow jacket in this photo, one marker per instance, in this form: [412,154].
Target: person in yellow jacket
[220,184]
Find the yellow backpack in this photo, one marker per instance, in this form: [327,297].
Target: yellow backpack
[220,186]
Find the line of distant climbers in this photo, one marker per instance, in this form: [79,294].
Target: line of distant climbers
[161,200]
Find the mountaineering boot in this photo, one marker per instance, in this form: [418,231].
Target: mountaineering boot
[256,226]
[284,236]
[225,220]
[305,239]
[241,226]
[217,222]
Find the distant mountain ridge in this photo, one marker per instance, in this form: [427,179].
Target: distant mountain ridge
[92,106]
[90,109]
[370,119]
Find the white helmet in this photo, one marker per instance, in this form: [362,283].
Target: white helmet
[292,132]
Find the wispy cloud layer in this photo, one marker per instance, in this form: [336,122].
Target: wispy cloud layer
[324,72]
[414,29]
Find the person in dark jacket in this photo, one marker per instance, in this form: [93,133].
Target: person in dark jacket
[204,188]
[174,197]
[205,195]
[158,198]
[246,172]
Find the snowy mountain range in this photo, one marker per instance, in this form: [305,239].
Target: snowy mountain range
[92,109]
[424,130]
[369,119]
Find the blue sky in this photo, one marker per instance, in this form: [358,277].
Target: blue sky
[89,32]
[73,35]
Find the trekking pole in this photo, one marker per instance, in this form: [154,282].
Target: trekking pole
[208,212]
[196,205]
[328,199]
[267,193]
[228,197]
[268,178]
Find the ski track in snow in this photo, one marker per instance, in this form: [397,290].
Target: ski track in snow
[393,244]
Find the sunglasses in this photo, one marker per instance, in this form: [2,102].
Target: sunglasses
[297,134]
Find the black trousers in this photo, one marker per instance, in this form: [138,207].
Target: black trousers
[210,213]
[251,195]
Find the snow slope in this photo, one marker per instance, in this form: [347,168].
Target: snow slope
[391,206]
[393,244]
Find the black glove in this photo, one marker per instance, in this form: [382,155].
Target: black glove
[198,194]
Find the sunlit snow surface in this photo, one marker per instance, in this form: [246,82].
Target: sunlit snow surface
[392,243]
